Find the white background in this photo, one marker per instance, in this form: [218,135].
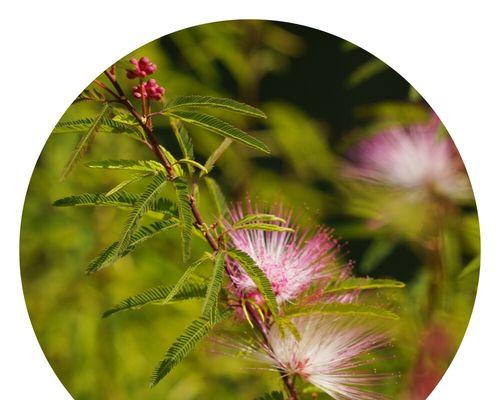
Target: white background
[447,49]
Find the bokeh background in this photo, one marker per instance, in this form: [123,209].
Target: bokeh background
[322,95]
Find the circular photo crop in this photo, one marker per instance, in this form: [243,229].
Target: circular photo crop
[249,210]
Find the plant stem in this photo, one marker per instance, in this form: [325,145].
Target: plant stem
[152,143]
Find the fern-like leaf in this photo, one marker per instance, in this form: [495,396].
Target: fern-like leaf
[110,254]
[107,126]
[128,165]
[185,216]
[141,206]
[219,127]
[183,139]
[209,308]
[195,101]
[364,284]
[217,196]
[361,310]
[186,276]
[158,296]
[122,199]
[84,142]
[258,277]
[184,345]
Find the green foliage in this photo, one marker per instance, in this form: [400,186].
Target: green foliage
[159,296]
[186,276]
[219,127]
[351,284]
[122,199]
[183,139]
[107,125]
[181,102]
[272,396]
[128,165]
[126,182]
[186,218]
[258,277]
[217,196]
[85,142]
[110,255]
[211,300]
[193,334]
[471,267]
[354,309]
[141,206]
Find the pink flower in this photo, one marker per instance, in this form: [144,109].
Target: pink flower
[142,68]
[292,261]
[330,354]
[150,89]
[412,158]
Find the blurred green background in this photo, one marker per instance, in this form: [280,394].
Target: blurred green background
[321,95]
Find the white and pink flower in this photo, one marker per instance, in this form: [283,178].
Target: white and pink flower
[332,354]
[415,158]
[292,261]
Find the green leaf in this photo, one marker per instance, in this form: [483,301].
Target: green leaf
[218,152]
[107,125]
[217,196]
[186,276]
[141,206]
[272,396]
[186,218]
[184,344]
[366,71]
[183,139]
[376,253]
[85,142]
[251,218]
[128,165]
[194,164]
[258,277]
[220,127]
[364,284]
[209,308]
[342,309]
[121,199]
[158,296]
[261,226]
[109,255]
[125,183]
[212,102]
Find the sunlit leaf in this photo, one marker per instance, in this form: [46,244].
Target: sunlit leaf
[219,127]
[186,218]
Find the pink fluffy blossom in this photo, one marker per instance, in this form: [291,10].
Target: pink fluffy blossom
[292,261]
[413,158]
[330,354]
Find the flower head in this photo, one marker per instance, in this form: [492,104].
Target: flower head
[150,89]
[292,261]
[413,158]
[330,354]
[142,68]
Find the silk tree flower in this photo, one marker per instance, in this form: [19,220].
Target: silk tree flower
[333,353]
[415,158]
[292,261]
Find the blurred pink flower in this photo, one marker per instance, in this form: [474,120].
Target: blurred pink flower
[330,354]
[414,158]
[292,261]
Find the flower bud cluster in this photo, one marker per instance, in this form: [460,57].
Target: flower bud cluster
[149,89]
